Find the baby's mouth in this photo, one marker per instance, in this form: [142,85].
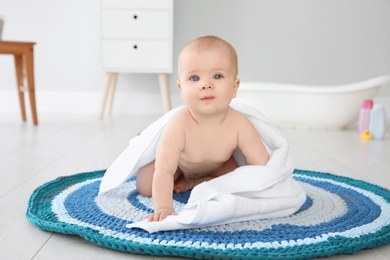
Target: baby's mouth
[207,98]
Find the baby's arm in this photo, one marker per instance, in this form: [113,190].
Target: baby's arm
[251,145]
[168,154]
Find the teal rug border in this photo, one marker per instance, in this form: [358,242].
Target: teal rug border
[47,221]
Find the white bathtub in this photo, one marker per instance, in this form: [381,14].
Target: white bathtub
[310,107]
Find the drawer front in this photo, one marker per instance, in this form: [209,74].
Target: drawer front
[137,55]
[157,4]
[136,24]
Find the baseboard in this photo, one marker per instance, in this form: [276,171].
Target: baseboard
[88,103]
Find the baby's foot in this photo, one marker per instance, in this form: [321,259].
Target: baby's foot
[183,184]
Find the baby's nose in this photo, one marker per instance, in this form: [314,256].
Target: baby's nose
[206,84]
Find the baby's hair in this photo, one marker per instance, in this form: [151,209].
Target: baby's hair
[210,41]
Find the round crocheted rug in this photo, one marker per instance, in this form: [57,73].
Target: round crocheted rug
[340,216]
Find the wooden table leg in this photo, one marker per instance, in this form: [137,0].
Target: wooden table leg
[29,62]
[19,84]
[105,94]
[112,92]
[110,83]
[165,93]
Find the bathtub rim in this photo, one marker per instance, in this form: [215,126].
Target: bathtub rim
[325,113]
[271,86]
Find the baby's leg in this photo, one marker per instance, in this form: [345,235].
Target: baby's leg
[228,166]
[144,181]
[183,184]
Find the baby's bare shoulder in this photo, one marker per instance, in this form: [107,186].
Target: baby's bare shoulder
[236,117]
[173,134]
[178,121]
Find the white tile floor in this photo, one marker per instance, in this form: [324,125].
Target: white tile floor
[67,144]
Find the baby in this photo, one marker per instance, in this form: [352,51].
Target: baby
[198,142]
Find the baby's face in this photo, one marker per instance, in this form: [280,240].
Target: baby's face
[207,79]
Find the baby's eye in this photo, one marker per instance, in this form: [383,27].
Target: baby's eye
[194,78]
[218,76]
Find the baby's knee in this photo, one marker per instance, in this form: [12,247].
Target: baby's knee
[144,180]
[143,189]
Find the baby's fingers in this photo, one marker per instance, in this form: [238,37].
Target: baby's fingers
[158,216]
[154,217]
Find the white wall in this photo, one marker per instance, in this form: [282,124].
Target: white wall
[317,42]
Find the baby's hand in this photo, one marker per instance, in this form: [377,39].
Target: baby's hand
[160,214]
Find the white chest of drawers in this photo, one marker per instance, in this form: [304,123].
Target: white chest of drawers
[136,37]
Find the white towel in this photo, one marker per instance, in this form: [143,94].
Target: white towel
[247,193]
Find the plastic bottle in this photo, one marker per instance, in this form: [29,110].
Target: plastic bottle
[377,126]
[364,115]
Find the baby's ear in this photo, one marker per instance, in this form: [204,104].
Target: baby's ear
[178,84]
[236,86]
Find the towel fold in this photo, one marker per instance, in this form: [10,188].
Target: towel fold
[247,193]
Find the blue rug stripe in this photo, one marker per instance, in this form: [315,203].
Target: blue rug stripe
[380,191]
[81,205]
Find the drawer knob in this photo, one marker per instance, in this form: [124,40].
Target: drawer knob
[135,17]
[135,46]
